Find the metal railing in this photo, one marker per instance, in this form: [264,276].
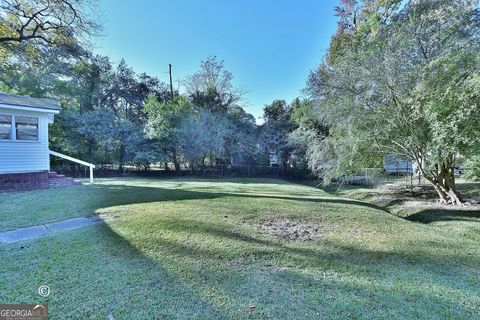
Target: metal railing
[60,155]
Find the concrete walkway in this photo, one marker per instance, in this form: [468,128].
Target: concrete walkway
[48,228]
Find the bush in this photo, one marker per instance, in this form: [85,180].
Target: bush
[472,168]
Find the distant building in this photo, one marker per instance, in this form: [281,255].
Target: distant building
[395,165]
[273,159]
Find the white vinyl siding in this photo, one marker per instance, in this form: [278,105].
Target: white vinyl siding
[25,155]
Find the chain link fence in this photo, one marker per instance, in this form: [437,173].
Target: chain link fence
[221,170]
[377,177]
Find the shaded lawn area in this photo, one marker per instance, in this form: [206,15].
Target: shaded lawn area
[186,248]
[418,204]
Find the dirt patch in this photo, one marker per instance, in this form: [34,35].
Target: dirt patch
[423,205]
[289,230]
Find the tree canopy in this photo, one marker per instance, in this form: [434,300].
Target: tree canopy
[400,79]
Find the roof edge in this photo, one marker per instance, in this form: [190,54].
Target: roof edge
[28,108]
[26,101]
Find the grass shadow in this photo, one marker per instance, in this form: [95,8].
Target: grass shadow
[437,215]
[108,276]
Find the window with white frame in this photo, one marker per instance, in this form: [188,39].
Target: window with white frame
[19,128]
[5,127]
[26,128]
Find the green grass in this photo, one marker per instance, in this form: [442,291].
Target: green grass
[194,248]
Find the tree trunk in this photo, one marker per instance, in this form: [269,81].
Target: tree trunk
[448,196]
[90,150]
[285,167]
[121,158]
[203,165]
[175,162]
[443,180]
[444,184]
[192,168]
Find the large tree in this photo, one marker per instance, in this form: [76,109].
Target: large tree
[203,138]
[211,87]
[125,96]
[400,79]
[164,124]
[43,32]
[48,22]
[241,142]
[310,131]
[276,129]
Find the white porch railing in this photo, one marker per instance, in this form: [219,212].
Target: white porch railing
[60,155]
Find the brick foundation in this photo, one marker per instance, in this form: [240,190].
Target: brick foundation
[23,181]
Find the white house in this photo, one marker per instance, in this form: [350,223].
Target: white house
[24,151]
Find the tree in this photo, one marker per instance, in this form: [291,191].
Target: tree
[125,96]
[49,22]
[241,142]
[39,32]
[403,82]
[275,130]
[34,74]
[310,132]
[472,167]
[202,138]
[101,129]
[211,87]
[88,79]
[164,124]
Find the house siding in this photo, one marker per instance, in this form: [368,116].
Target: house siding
[26,156]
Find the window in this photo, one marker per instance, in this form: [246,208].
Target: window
[26,128]
[5,127]
[20,128]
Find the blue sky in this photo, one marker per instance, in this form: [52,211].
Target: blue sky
[269,45]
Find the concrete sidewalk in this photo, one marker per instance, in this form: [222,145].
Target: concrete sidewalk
[48,228]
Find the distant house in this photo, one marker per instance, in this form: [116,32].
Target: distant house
[273,158]
[24,151]
[395,165]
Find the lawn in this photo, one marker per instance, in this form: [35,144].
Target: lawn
[197,248]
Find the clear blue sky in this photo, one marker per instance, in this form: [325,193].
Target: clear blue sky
[268,45]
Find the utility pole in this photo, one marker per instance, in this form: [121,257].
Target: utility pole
[171,84]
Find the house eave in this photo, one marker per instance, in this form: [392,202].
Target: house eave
[26,108]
